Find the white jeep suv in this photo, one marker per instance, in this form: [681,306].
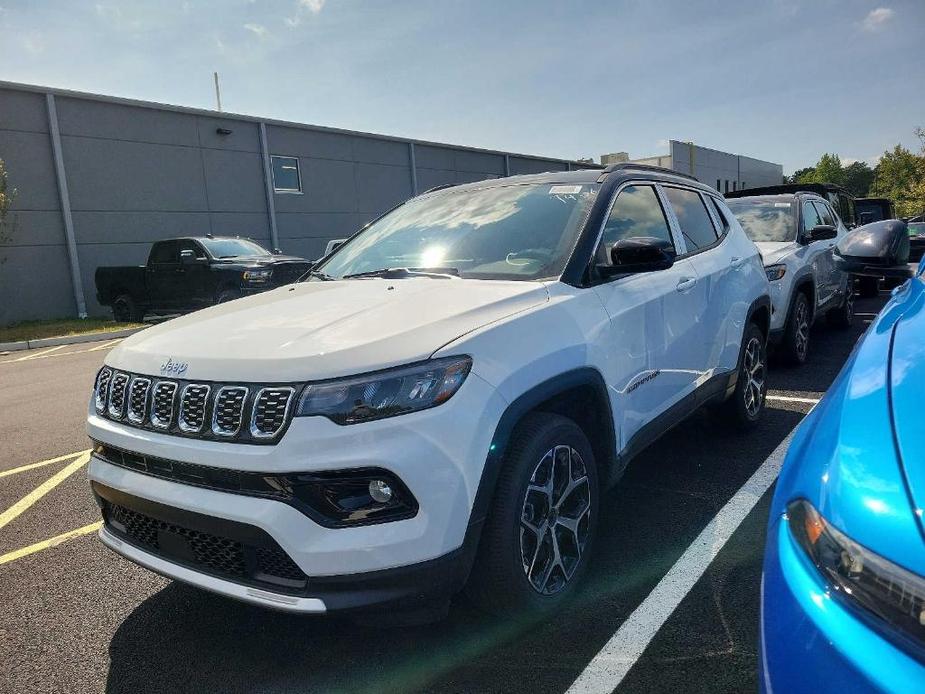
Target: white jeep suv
[440,403]
[796,234]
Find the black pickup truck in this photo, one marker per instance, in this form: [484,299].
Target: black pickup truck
[186,274]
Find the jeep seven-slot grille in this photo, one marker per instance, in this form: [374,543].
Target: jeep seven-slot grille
[207,552]
[228,412]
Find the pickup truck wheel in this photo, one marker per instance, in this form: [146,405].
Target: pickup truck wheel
[227,295]
[843,316]
[794,348]
[745,406]
[538,536]
[124,310]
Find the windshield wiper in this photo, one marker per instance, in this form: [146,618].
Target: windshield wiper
[320,275]
[396,273]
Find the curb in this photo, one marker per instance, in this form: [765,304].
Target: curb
[67,340]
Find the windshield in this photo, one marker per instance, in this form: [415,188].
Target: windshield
[230,248]
[916,228]
[765,220]
[518,232]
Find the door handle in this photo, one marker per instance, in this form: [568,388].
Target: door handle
[736,263]
[686,284]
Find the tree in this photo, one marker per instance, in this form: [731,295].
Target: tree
[900,176]
[7,194]
[858,178]
[827,170]
[799,173]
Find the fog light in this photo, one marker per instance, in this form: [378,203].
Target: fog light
[380,491]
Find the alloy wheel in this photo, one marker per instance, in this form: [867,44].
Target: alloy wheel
[753,369]
[802,330]
[555,520]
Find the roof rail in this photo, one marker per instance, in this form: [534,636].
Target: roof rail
[645,167]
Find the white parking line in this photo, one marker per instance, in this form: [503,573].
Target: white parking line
[608,668]
[46,354]
[40,354]
[787,398]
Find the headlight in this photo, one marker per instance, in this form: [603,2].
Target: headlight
[775,272]
[859,576]
[386,393]
[257,275]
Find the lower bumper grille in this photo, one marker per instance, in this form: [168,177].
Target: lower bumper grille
[244,554]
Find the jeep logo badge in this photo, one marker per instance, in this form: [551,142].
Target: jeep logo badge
[173,368]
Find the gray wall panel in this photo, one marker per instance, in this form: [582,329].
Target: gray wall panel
[311,248]
[31,170]
[368,149]
[121,122]
[137,227]
[308,143]
[244,136]
[234,181]
[428,178]
[430,157]
[520,165]
[316,226]
[252,225]
[479,162]
[472,177]
[23,111]
[380,187]
[34,228]
[329,186]
[42,287]
[116,175]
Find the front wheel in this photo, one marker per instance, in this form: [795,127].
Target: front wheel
[795,346]
[125,310]
[746,404]
[843,316]
[540,529]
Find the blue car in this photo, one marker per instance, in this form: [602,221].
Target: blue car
[843,589]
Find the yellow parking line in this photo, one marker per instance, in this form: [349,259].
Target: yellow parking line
[27,501]
[41,354]
[52,542]
[50,461]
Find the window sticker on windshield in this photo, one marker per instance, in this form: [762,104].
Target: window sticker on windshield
[781,204]
[565,190]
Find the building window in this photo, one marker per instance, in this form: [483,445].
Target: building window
[727,185]
[718,188]
[286,176]
[743,186]
[734,183]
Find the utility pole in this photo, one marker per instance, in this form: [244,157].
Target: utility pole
[218,93]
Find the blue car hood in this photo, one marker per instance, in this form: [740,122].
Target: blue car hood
[907,390]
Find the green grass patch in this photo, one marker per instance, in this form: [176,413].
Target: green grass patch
[37,329]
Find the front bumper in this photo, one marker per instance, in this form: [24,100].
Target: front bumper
[439,454]
[811,641]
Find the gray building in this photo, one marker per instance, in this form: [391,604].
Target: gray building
[722,170]
[99,178]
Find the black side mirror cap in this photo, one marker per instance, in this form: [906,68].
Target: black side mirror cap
[880,249]
[822,232]
[643,254]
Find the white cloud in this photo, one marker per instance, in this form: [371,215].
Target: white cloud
[876,19]
[259,30]
[313,6]
[301,7]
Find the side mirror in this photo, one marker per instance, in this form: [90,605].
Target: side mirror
[187,257]
[821,232]
[277,251]
[880,249]
[333,246]
[644,254]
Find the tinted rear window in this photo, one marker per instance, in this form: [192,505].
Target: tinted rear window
[696,224]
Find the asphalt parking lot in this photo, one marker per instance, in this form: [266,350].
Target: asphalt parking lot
[78,618]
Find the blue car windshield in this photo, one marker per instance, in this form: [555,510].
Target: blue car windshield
[514,232]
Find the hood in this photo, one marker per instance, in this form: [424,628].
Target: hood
[773,251]
[907,377]
[317,330]
[263,259]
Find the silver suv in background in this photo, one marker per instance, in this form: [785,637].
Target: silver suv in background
[796,234]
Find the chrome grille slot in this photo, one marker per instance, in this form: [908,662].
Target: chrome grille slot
[102,389]
[271,407]
[138,399]
[117,387]
[228,410]
[162,404]
[193,399]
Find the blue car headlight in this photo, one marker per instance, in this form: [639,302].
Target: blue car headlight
[858,576]
[385,393]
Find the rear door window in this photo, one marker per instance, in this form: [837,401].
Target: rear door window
[696,224]
[165,252]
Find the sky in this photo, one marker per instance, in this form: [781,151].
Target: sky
[782,80]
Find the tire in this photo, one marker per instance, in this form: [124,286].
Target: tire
[843,316]
[794,348]
[125,310]
[743,409]
[868,287]
[503,581]
[227,295]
